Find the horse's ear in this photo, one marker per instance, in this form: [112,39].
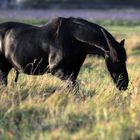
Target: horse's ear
[122,42]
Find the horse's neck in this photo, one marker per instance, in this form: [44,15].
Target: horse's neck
[91,34]
[104,41]
[100,43]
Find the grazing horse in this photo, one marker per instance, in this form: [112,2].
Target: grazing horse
[60,48]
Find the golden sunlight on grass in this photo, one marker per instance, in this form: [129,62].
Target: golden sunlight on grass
[132,42]
[40,108]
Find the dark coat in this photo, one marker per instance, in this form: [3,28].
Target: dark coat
[60,47]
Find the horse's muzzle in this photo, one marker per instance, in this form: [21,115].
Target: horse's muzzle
[122,84]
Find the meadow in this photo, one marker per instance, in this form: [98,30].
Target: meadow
[40,108]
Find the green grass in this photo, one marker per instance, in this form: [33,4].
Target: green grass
[40,108]
[106,22]
[29,21]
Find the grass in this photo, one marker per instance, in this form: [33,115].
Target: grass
[106,22]
[40,108]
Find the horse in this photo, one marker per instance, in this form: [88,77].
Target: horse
[60,48]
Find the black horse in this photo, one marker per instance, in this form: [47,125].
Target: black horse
[60,47]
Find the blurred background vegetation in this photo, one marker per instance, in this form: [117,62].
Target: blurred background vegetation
[70,3]
[40,108]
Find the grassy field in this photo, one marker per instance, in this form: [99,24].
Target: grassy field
[31,110]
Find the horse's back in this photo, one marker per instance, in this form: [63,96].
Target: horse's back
[12,25]
[21,44]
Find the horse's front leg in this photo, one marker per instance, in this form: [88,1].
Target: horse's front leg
[71,83]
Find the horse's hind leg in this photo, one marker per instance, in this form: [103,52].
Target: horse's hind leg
[5,67]
[17,74]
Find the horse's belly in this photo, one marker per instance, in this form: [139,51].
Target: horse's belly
[32,66]
[36,67]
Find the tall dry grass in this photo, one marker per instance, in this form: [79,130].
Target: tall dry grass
[40,108]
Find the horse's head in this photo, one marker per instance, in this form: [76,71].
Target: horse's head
[116,63]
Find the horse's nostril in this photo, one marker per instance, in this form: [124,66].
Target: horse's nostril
[122,88]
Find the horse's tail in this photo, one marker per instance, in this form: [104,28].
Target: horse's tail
[3,30]
[1,42]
